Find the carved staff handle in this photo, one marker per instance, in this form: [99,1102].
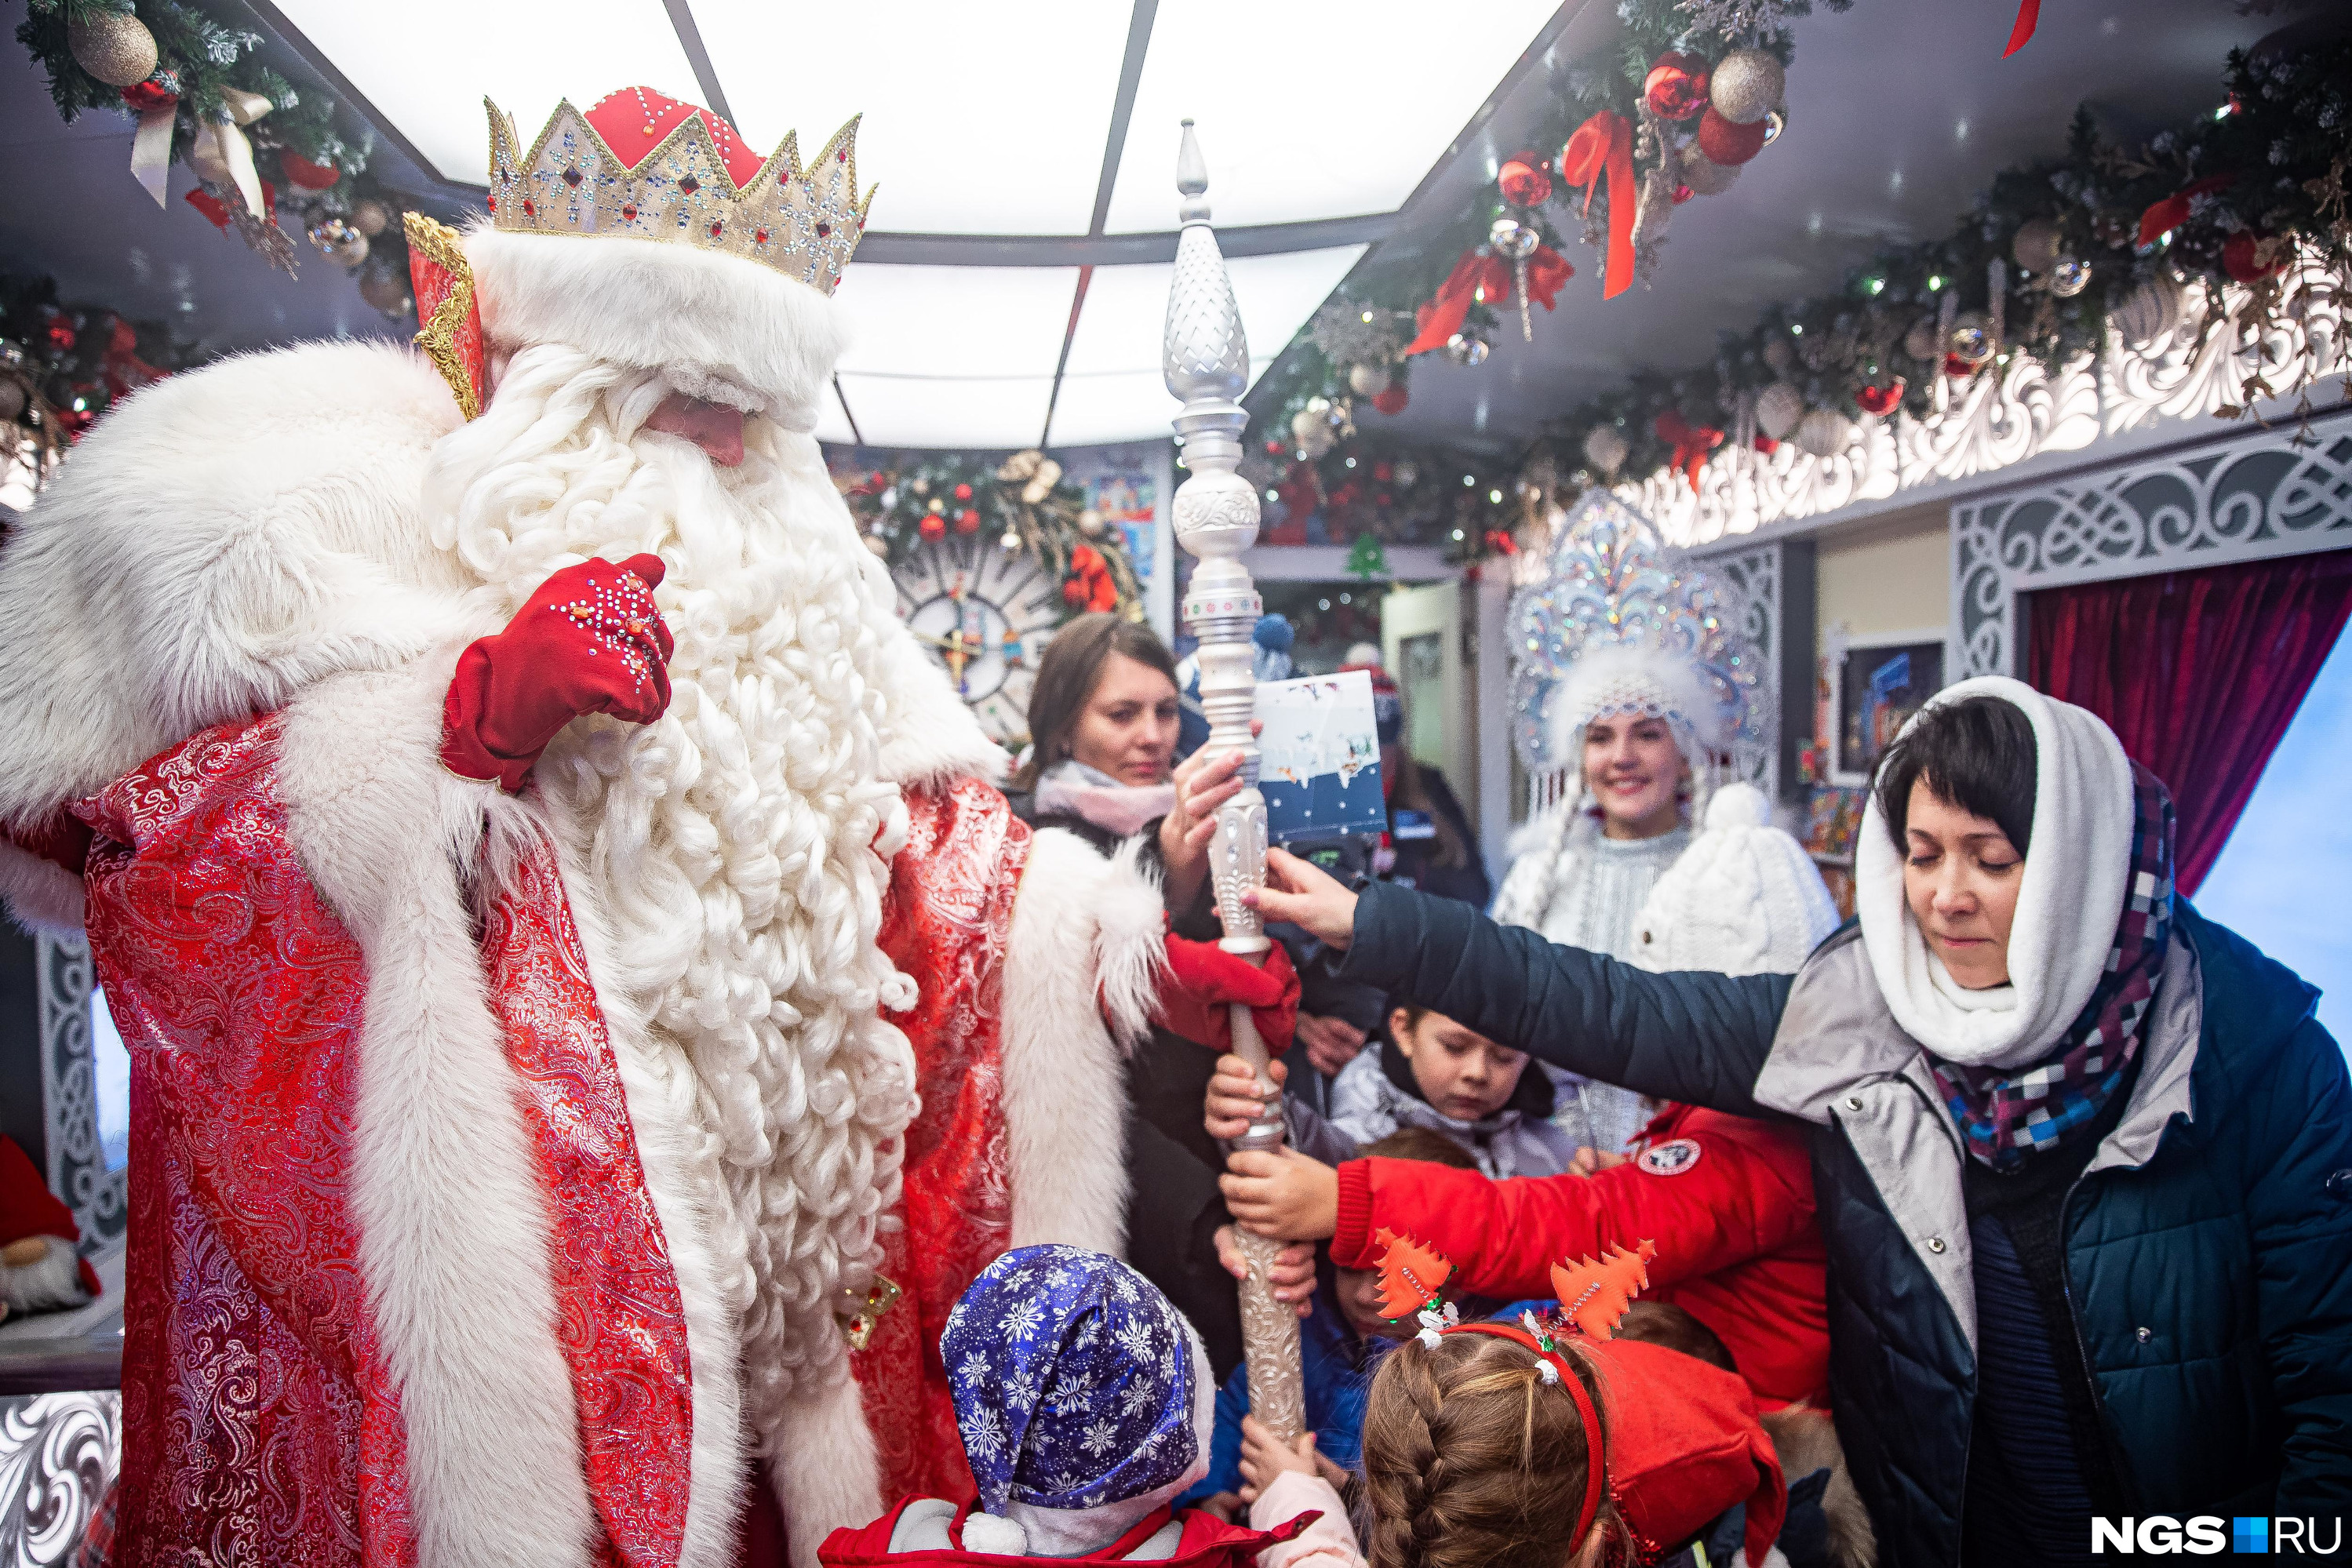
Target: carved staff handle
[1205,357]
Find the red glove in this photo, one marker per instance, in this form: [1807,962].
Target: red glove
[590,641]
[1204,981]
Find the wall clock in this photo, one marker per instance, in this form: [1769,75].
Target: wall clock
[985,613]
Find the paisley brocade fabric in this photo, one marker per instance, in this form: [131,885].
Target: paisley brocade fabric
[623,1326]
[260,1426]
[944,922]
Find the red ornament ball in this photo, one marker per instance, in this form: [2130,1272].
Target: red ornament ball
[1392,400]
[1728,142]
[301,170]
[963,492]
[933,525]
[1382,472]
[1883,400]
[1526,181]
[60,334]
[966,520]
[1274,449]
[146,96]
[1675,87]
[2241,261]
[1682,193]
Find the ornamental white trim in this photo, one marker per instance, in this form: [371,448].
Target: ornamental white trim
[2193,367]
[98,1197]
[2254,496]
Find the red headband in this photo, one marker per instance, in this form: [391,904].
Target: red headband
[1594,1459]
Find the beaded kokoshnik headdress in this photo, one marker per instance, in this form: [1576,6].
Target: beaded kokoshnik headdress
[1619,623]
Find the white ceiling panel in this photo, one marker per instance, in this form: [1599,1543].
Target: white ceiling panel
[978,121]
[1264,82]
[955,320]
[1127,306]
[1119,405]
[832,423]
[989,412]
[523,57]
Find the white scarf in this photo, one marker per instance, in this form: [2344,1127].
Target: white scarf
[2069,898]
[1070,788]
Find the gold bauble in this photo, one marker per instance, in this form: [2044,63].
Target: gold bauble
[1704,176]
[351,250]
[1779,409]
[1824,433]
[1745,87]
[370,216]
[387,291]
[2036,245]
[115,47]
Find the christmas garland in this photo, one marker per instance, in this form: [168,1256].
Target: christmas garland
[62,365]
[1692,92]
[1023,503]
[2053,255]
[262,148]
[1330,484]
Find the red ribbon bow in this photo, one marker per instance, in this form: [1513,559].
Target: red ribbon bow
[1691,442]
[1603,146]
[2173,210]
[1483,277]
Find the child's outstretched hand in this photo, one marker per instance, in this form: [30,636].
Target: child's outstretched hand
[1292,1274]
[1281,1193]
[1232,1104]
[1265,1456]
[1306,896]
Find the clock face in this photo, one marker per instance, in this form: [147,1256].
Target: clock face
[985,613]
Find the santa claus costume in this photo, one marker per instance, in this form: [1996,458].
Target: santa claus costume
[538,1115]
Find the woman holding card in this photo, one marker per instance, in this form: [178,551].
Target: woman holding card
[1103,721]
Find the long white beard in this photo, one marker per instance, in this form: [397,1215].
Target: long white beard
[739,846]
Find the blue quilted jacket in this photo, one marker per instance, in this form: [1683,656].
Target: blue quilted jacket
[2209,1244]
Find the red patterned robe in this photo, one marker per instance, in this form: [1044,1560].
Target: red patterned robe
[263,1422]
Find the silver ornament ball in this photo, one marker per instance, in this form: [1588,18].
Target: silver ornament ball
[1513,240]
[1824,433]
[1971,339]
[1747,85]
[1707,177]
[2070,276]
[2148,312]
[1369,380]
[1778,408]
[1604,448]
[1468,348]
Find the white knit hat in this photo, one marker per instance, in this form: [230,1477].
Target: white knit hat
[1744,899]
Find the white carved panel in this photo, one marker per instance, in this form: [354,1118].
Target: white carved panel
[1995,421]
[1756,573]
[2250,497]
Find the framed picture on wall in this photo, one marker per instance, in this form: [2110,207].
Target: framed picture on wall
[1876,683]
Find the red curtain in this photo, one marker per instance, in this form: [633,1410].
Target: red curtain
[2199,672]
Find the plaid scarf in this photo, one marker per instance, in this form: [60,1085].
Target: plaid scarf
[2008,1112]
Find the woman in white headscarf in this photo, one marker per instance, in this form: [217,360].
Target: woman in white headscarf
[2082,1159]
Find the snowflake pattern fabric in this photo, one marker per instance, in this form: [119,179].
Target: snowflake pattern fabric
[1072,1381]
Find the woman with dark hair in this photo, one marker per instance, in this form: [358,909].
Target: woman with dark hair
[1103,727]
[2082,1159]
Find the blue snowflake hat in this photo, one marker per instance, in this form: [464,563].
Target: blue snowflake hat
[1075,1382]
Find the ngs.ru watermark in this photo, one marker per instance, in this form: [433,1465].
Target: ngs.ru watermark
[2207,1534]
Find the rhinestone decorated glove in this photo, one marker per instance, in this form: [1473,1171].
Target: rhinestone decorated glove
[590,641]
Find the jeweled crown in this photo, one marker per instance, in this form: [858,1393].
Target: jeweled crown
[694,184]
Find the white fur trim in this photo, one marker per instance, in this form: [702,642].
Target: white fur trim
[660,1087]
[671,307]
[823,1465]
[1079,923]
[52,1279]
[439,1150]
[45,898]
[220,541]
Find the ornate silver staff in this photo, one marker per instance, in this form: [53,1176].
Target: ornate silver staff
[1205,358]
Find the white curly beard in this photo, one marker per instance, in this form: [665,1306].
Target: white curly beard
[740,847]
